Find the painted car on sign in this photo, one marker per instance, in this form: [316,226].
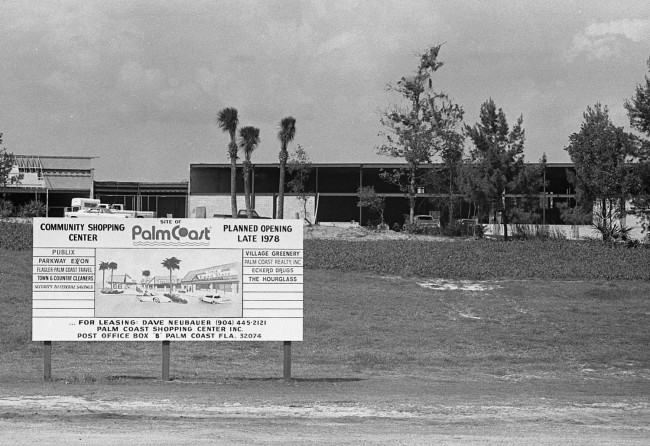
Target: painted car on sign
[214,299]
[153,297]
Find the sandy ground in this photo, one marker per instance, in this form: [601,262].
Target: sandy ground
[376,410]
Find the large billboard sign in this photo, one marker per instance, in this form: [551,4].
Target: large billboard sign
[123,279]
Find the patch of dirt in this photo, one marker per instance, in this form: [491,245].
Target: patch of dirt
[165,407]
[461,285]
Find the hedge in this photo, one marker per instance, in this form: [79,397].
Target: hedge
[466,259]
[482,259]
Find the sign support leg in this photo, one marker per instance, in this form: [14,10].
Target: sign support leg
[287,360]
[47,360]
[165,360]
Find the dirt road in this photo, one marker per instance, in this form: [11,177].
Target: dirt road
[381,410]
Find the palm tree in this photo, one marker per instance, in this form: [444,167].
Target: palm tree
[286,134]
[146,273]
[227,120]
[112,266]
[249,138]
[103,266]
[171,264]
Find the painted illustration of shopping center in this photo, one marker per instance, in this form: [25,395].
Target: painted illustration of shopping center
[128,276]
[224,279]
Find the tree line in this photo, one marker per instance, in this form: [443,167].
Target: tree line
[612,167]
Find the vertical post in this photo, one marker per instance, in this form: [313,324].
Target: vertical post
[360,186]
[92,183]
[253,188]
[47,360]
[275,206]
[287,360]
[187,195]
[545,202]
[165,360]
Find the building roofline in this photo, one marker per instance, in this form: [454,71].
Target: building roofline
[358,165]
[142,185]
[56,156]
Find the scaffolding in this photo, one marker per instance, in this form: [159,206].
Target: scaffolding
[30,174]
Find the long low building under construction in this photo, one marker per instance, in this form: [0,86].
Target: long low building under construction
[333,192]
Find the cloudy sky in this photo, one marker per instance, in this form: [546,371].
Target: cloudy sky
[139,83]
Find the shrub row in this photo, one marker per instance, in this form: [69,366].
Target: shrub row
[470,259]
[33,208]
[453,229]
[482,259]
[15,236]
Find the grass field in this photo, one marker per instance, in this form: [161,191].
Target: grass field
[385,360]
[361,324]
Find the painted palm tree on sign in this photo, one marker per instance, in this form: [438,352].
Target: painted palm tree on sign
[286,133]
[103,266]
[171,264]
[112,266]
[227,120]
[249,138]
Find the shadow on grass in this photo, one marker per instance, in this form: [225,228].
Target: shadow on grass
[114,378]
[306,380]
[131,378]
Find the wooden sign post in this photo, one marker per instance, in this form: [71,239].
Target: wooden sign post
[165,360]
[47,360]
[287,360]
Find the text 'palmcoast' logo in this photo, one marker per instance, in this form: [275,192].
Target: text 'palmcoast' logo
[176,236]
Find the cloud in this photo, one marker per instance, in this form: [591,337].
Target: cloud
[134,77]
[338,42]
[605,39]
[206,79]
[151,93]
[60,82]
[634,29]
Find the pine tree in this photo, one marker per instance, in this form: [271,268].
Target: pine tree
[605,177]
[424,126]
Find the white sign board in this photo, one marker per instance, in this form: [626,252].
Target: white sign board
[124,279]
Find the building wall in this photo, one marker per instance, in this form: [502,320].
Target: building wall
[164,199]
[571,232]
[264,205]
[336,186]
